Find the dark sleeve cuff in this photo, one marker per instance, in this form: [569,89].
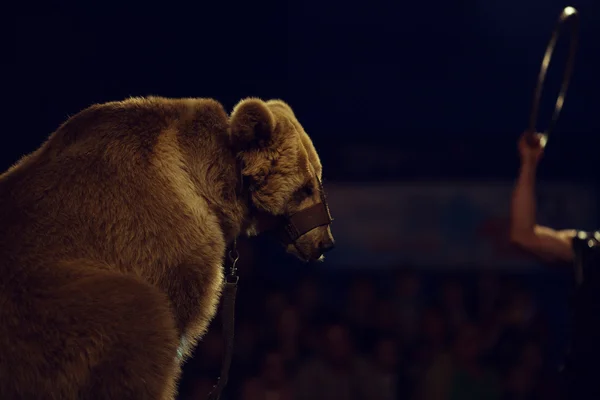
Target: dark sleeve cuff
[585,243]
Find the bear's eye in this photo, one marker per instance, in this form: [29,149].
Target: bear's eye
[304,192]
[308,190]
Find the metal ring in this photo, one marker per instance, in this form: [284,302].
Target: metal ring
[568,14]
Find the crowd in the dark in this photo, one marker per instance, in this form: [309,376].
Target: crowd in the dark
[400,334]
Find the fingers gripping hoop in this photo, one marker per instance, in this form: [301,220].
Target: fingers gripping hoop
[569,15]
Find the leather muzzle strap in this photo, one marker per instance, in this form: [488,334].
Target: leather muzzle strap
[305,221]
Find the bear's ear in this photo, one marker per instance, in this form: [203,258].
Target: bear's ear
[252,124]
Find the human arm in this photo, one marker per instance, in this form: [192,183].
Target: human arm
[543,242]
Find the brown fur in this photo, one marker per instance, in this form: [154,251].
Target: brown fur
[113,235]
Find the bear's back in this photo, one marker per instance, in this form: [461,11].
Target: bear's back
[92,191]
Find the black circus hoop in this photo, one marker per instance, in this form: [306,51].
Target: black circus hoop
[568,15]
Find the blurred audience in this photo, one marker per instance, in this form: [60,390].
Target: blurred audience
[272,382]
[471,379]
[336,372]
[452,299]
[382,337]
[407,304]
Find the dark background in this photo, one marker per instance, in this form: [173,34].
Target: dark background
[439,90]
[443,84]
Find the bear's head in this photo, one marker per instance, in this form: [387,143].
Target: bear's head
[282,173]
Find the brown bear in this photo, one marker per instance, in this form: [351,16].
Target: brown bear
[113,236]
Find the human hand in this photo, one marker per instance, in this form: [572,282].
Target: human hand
[531,147]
